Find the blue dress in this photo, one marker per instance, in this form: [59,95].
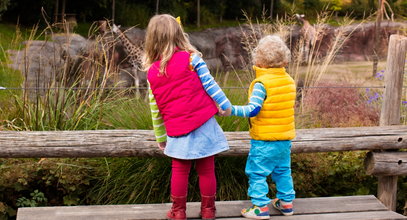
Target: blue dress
[204,141]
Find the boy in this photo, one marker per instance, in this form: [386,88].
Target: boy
[271,112]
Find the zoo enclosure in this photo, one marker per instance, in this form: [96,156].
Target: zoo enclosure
[123,143]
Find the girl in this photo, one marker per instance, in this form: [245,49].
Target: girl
[182,100]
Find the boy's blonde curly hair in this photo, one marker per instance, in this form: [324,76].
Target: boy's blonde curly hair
[271,52]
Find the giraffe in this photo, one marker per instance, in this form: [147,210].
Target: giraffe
[309,37]
[134,54]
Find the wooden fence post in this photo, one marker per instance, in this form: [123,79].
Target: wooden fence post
[390,114]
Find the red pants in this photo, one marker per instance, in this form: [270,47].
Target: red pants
[205,168]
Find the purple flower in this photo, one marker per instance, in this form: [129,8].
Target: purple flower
[373,98]
[404,102]
[379,75]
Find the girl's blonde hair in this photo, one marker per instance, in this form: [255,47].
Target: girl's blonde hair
[271,52]
[164,35]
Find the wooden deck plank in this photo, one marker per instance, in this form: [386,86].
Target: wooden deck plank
[377,215]
[225,209]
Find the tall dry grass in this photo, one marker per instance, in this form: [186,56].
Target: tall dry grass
[76,90]
[308,65]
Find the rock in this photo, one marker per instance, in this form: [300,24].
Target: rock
[43,62]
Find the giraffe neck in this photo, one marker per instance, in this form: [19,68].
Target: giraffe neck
[133,51]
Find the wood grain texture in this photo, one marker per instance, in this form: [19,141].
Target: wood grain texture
[344,207]
[396,58]
[390,114]
[387,215]
[387,191]
[131,143]
[386,163]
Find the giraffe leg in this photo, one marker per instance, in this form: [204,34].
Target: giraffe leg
[136,82]
[138,95]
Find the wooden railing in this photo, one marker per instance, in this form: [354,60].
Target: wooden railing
[134,143]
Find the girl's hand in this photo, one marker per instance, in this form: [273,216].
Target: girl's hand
[226,112]
[162,145]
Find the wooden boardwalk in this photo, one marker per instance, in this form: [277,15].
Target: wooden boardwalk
[334,208]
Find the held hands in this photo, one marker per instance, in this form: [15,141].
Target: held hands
[162,145]
[226,112]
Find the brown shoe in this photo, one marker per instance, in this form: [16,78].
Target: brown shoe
[208,209]
[179,206]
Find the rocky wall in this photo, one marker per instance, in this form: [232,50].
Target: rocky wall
[43,61]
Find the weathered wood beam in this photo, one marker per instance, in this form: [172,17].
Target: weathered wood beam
[390,114]
[129,143]
[386,163]
[396,59]
[355,207]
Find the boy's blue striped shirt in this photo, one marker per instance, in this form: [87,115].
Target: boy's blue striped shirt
[209,83]
[256,102]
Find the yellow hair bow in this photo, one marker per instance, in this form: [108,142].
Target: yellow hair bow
[178,19]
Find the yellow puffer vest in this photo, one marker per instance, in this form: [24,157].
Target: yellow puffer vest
[275,120]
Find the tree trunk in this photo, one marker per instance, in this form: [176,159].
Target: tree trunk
[113,10]
[376,38]
[56,11]
[157,4]
[271,9]
[198,14]
[63,11]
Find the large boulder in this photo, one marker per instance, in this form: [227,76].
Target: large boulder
[43,62]
[360,45]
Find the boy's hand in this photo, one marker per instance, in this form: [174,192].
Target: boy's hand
[226,112]
[162,145]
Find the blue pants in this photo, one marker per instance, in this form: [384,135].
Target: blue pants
[265,158]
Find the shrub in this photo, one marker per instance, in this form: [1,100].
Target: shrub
[400,7]
[331,174]
[358,8]
[133,15]
[3,6]
[333,106]
[29,182]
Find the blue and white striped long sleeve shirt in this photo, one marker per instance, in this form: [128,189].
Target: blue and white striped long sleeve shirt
[209,83]
[256,102]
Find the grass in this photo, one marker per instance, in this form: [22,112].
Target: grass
[8,34]
[83,29]
[128,113]
[355,73]
[224,23]
[9,78]
[9,39]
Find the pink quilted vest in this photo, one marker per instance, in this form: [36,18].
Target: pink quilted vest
[180,96]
